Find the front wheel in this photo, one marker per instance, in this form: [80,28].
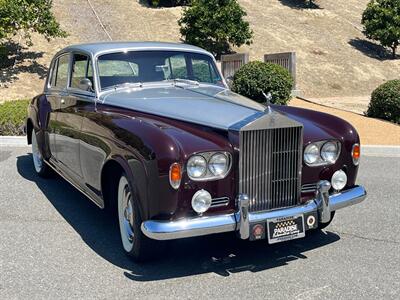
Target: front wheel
[324,225]
[134,242]
[41,168]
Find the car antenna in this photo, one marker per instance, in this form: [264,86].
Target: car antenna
[268,98]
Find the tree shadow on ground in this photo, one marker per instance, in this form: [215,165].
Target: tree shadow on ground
[371,49]
[146,3]
[222,254]
[300,4]
[19,60]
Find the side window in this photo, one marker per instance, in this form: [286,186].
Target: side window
[80,70]
[177,66]
[62,71]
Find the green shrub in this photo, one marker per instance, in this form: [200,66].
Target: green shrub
[215,25]
[385,102]
[12,117]
[167,3]
[257,77]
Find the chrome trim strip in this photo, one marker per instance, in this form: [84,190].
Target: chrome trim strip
[204,225]
[218,202]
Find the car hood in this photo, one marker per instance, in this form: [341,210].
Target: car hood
[205,105]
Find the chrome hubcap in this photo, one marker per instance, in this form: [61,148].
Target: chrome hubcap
[126,214]
[36,156]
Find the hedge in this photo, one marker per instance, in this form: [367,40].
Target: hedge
[12,117]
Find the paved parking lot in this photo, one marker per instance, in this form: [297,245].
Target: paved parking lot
[54,243]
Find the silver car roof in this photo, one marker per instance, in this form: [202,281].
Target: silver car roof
[106,47]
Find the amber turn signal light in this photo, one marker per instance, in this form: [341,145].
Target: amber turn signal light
[175,175]
[355,154]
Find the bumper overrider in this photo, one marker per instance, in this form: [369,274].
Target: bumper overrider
[314,211]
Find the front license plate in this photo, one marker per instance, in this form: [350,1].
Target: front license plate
[284,229]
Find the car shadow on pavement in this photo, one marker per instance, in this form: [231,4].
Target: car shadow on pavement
[221,254]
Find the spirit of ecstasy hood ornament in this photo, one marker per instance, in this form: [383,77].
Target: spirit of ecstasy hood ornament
[268,98]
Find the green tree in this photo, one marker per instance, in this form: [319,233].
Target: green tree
[381,20]
[215,25]
[22,17]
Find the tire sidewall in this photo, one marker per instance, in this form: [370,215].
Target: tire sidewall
[135,249]
[41,170]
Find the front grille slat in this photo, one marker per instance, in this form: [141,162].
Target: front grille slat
[269,167]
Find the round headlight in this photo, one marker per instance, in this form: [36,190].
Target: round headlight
[197,166]
[330,152]
[339,180]
[218,164]
[201,201]
[311,154]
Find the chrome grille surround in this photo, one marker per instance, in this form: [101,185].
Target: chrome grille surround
[270,162]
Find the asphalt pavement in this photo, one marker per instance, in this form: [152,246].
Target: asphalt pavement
[56,244]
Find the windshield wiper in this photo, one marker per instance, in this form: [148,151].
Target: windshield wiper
[187,81]
[125,85]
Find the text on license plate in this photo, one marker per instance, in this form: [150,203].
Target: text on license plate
[284,229]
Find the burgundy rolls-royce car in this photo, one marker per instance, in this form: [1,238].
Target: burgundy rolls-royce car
[153,131]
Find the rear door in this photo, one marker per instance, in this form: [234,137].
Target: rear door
[57,87]
[68,124]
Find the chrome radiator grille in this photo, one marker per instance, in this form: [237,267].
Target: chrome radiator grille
[269,167]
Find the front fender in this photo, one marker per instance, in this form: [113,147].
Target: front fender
[320,126]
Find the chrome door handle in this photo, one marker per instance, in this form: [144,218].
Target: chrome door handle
[62,101]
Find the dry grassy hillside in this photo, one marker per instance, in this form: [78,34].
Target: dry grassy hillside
[333,58]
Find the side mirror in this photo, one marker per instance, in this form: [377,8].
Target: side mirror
[229,81]
[86,85]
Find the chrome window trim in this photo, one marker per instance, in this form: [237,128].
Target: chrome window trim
[138,49]
[55,59]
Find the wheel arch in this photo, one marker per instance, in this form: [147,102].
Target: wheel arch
[29,130]
[111,172]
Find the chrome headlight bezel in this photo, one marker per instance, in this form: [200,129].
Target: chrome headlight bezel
[201,165]
[322,159]
[209,175]
[327,154]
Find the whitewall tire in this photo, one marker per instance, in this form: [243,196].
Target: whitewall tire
[134,242]
[39,164]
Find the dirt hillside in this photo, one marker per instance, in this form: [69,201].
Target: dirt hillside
[333,58]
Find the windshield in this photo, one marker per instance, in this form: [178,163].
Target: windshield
[151,66]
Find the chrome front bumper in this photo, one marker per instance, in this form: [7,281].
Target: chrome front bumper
[240,221]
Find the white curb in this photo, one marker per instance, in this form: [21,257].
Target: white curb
[13,141]
[380,150]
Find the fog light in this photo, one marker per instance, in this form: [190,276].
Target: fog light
[339,180]
[201,201]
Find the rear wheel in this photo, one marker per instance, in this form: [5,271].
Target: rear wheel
[41,168]
[134,242]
